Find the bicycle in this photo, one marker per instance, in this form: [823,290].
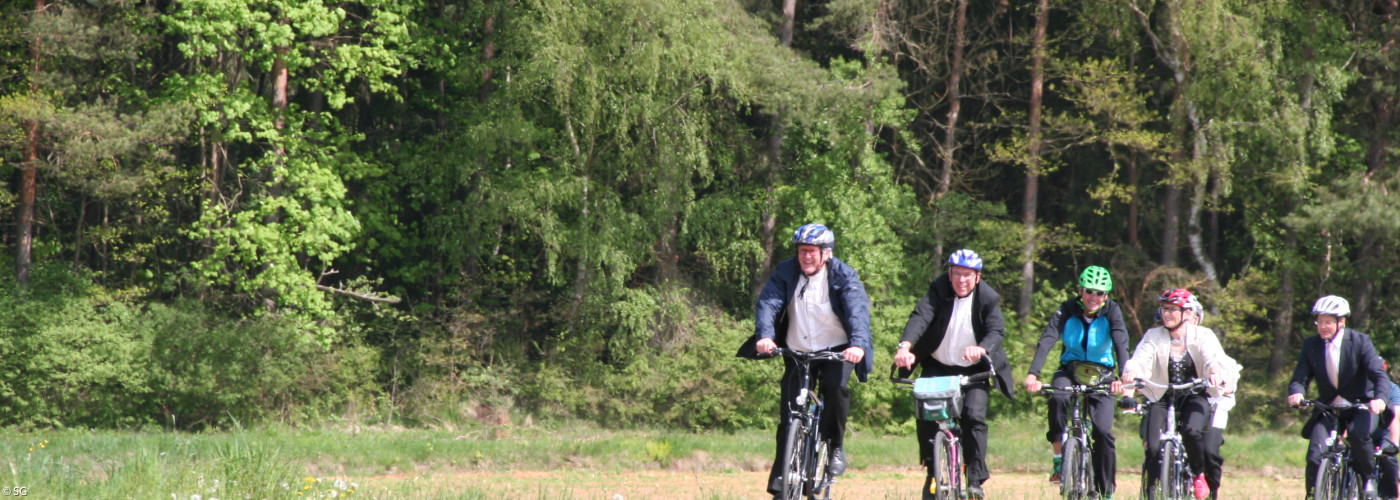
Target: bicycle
[1174,476]
[1077,473]
[1335,478]
[939,400]
[807,452]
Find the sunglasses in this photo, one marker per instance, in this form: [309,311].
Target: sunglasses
[1098,293]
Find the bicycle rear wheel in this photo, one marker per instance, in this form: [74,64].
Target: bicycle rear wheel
[947,467]
[1071,471]
[793,454]
[1169,484]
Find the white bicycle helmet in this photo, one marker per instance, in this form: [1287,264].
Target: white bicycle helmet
[1332,305]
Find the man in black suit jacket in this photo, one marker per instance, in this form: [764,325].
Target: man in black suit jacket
[1346,367]
[964,313]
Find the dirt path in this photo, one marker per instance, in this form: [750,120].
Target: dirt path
[863,484]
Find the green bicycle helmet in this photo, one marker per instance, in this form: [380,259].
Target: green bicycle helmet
[1096,278]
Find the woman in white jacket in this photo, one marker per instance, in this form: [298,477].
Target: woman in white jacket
[1176,353]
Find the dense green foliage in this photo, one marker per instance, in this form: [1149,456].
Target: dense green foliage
[426,212]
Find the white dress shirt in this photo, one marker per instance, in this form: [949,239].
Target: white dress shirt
[812,325]
[958,337]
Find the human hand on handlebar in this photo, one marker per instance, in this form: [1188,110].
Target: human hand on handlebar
[1217,380]
[853,354]
[1295,399]
[1377,406]
[1033,383]
[903,358]
[974,353]
[765,346]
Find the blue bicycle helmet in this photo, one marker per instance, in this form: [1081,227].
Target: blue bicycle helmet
[814,234]
[966,258]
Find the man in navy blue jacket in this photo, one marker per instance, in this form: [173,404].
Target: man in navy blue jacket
[814,302]
[1346,367]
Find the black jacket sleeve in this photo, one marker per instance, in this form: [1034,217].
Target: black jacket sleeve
[1048,339]
[1119,330]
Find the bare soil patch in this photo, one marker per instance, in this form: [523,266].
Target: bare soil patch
[859,484]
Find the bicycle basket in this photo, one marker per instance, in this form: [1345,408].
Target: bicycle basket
[938,398]
[1085,373]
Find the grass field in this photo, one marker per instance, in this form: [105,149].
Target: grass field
[532,461]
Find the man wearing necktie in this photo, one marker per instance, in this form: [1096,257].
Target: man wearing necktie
[1347,369]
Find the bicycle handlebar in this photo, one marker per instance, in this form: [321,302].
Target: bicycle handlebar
[1346,405]
[1048,391]
[810,356]
[1193,384]
[966,379]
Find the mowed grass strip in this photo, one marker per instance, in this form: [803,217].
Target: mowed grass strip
[331,462]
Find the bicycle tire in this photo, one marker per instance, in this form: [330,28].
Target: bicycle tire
[1071,477]
[1327,484]
[1352,485]
[947,467]
[793,455]
[818,482]
[1169,485]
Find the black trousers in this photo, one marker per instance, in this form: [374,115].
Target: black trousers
[1215,462]
[972,423]
[1100,409]
[1386,468]
[832,379]
[1358,425]
[1192,414]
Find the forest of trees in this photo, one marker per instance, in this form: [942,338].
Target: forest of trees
[418,212]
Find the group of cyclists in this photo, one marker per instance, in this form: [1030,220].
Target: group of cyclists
[815,302]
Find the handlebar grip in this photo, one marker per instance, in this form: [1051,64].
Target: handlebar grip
[979,377]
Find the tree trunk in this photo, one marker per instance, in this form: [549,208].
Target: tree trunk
[768,229]
[950,143]
[1175,54]
[1371,251]
[1135,203]
[488,53]
[1283,318]
[1193,235]
[280,80]
[1042,18]
[29,170]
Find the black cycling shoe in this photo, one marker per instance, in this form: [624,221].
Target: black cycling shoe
[974,492]
[837,465]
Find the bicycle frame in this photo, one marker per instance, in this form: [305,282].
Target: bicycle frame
[949,476]
[1174,474]
[1077,476]
[1335,479]
[806,453]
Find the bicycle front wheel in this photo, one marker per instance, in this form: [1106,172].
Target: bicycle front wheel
[947,467]
[1077,473]
[793,454]
[818,482]
[1352,486]
[1328,483]
[1169,483]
